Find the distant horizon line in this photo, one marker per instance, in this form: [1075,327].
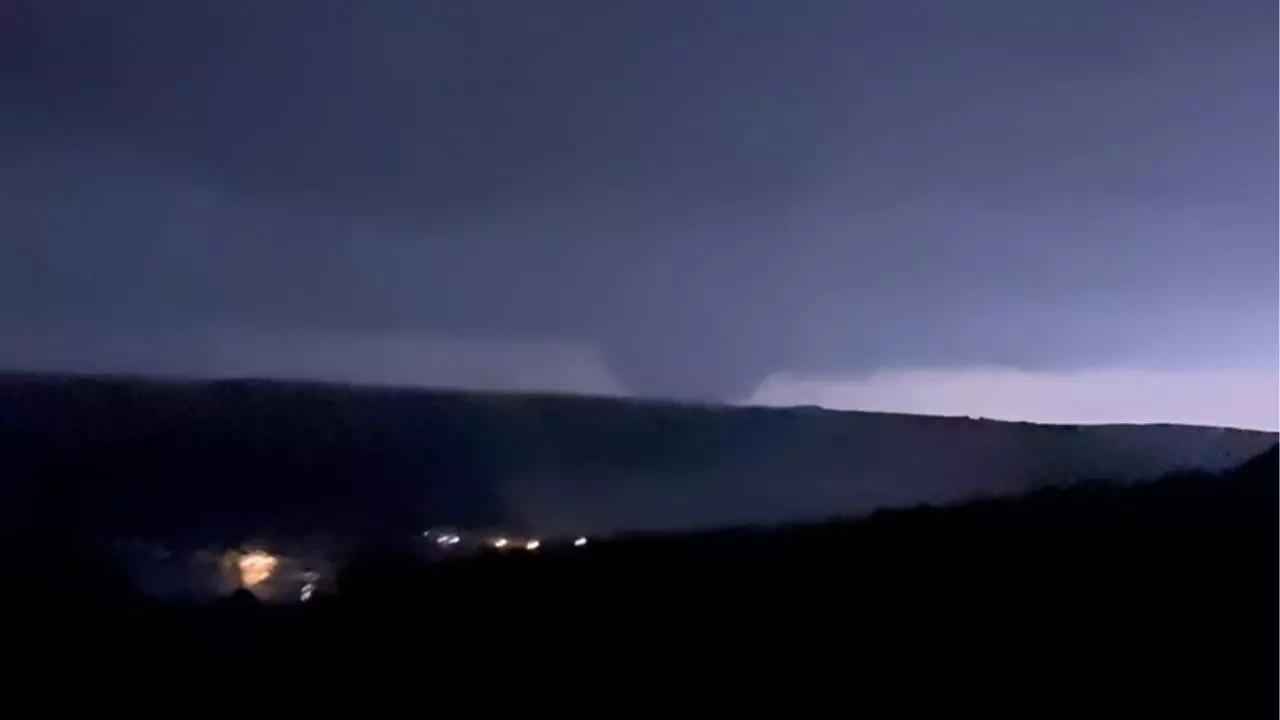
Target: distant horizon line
[390,386]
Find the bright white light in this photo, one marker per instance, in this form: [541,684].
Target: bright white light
[307,591]
[448,539]
[532,545]
[500,542]
[580,542]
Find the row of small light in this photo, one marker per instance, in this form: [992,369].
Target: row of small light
[500,542]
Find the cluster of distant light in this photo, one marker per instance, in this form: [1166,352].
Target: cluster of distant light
[257,566]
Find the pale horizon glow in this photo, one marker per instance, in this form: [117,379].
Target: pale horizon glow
[1247,399]
[1243,397]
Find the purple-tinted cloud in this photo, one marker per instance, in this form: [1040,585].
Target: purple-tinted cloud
[705,193]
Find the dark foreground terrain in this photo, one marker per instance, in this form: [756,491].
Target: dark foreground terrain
[1133,599]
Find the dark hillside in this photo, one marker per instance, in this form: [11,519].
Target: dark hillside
[1157,597]
[199,462]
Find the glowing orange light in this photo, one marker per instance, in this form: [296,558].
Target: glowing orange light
[255,567]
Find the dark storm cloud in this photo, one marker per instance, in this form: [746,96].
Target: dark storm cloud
[708,191]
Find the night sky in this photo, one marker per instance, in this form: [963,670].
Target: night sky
[1047,211]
